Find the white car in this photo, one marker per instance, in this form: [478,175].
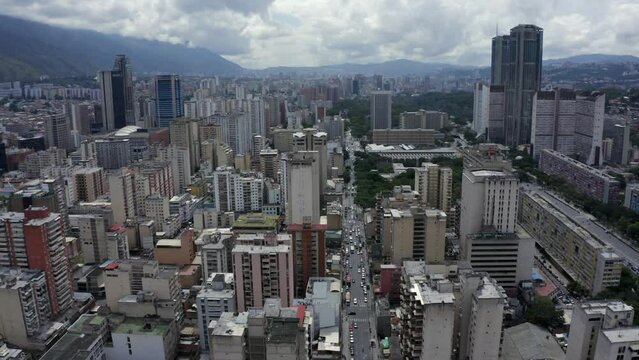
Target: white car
[354,301]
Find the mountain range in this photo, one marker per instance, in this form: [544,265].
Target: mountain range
[30,49]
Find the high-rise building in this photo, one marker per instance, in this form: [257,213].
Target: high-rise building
[45,244]
[26,307]
[123,65]
[216,297]
[263,271]
[489,198]
[590,321]
[240,192]
[617,128]
[309,251]
[58,131]
[113,153]
[269,163]
[179,158]
[435,185]
[516,65]
[496,114]
[168,99]
[481,107]
[569,123]
[121,187]
[589,128]
[381,104]
[302,184]
[98,240]
[185,133]
[113,108]
[90,183]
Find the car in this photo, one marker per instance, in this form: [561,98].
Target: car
[354,301]
[355,326]
[352,340]
[365,299]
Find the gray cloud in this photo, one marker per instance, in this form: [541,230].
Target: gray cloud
[260,33]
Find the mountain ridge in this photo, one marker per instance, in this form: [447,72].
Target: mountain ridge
[30,49]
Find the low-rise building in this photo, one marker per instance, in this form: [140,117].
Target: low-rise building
[145,339]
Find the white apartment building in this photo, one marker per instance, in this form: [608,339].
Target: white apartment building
[156,207]
[238,192]
[121,187]
[481,107]
[180,160]
[589,320]
[618,344]
[486,320]
[215,298]
[302,187]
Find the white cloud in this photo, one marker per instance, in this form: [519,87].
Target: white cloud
[261,33]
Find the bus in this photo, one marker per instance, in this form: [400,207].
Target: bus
[349,279]
[385,345]
[347,297]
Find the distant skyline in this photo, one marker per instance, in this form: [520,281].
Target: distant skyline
[265,33]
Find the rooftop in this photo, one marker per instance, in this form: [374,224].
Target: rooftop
[229,324]
[256,220]
[71,346]
[527,341]
[622,335]
[139,326]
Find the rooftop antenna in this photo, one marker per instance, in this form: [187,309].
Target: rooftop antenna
[497,29]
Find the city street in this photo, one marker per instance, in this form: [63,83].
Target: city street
[359,339]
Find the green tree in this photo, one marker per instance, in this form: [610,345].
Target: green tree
[577,289]
[542,312]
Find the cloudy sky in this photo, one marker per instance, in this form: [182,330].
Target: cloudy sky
[263,33]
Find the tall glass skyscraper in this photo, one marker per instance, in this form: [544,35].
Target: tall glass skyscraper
[516,65]
[117,95]
[168,99]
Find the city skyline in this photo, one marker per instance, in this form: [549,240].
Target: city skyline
[285,33]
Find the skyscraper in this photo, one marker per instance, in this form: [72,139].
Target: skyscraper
[117,95]
[168,99]
[516,64]
[57,131]
[381,109]
[123,65]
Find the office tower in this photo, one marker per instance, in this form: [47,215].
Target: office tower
[381,104]
[302,188]
[586,179]
[427,314]
[496,114]
[263,271]
[168,99]
[112,108]
[45,244]
[240,192]
[26,307]
[516,65]
[185,133]
[124,280]
[481,107]
[90,184]
[123,66]
[594,264]
[553,121]
[435,185]
[121,186]
[57,131]
[590,321]
[216,297]
[617,128]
